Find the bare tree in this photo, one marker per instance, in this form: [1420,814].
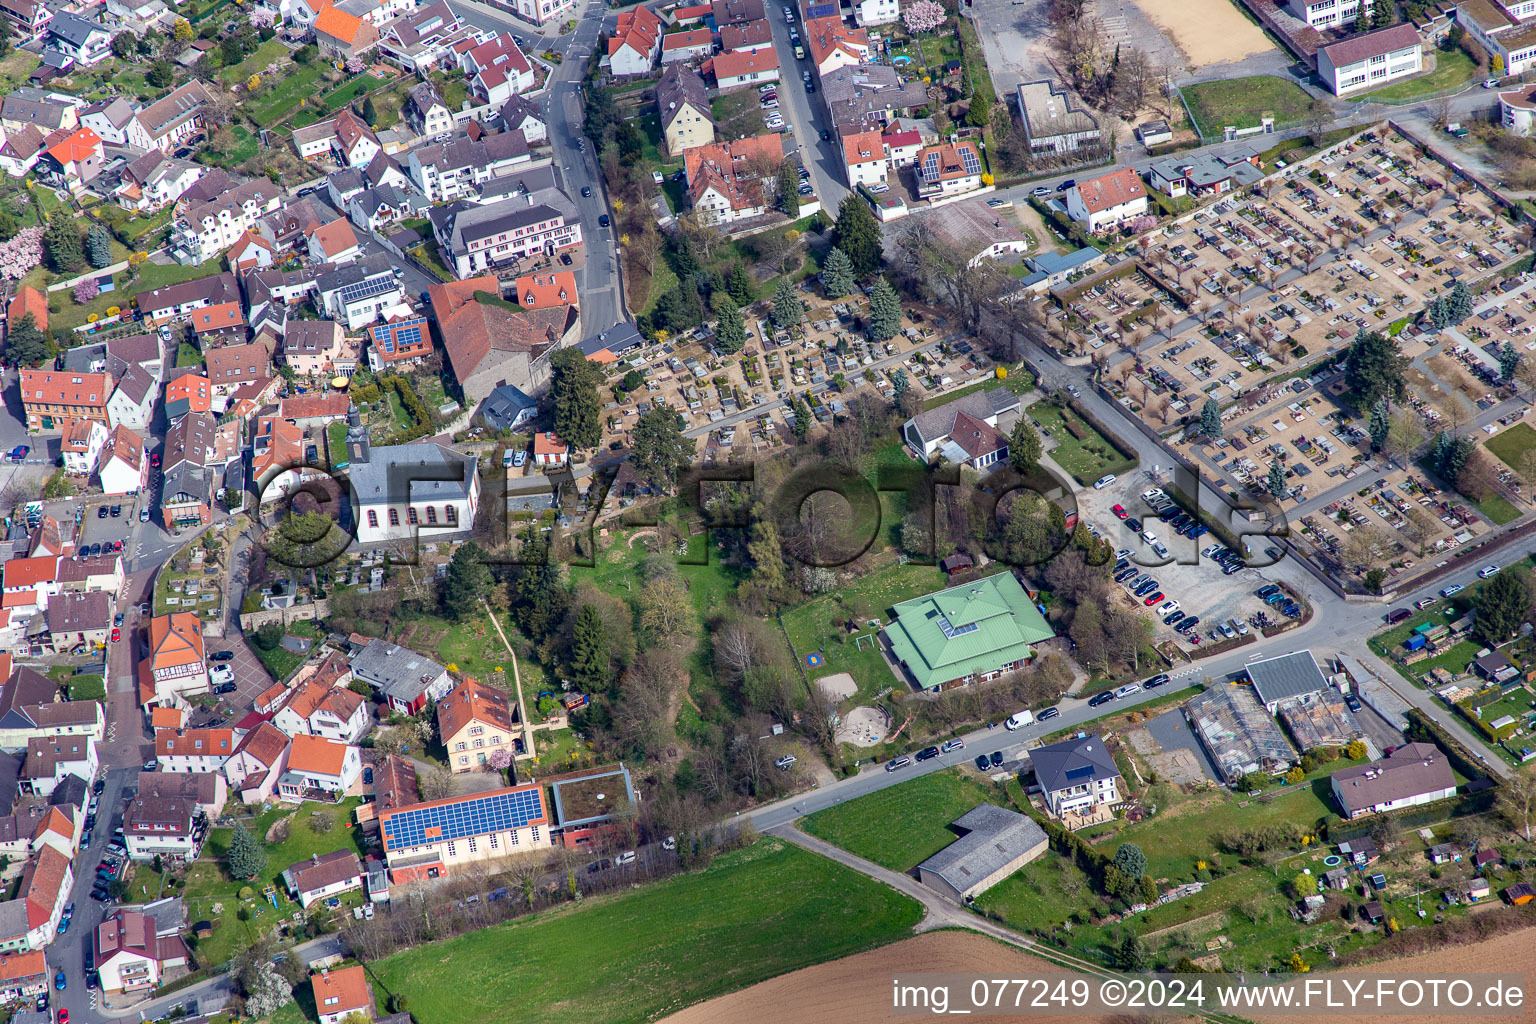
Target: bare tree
[1404,437]
[1517,799]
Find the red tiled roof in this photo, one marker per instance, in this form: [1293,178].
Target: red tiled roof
[28,300]
[53,387]
[537,291]
[863,148]
[29,572]
[80,146]
[1111,190]
[317,755]
[745,62]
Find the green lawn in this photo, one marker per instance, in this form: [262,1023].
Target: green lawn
[188,354]
[272,105]
[270,52]
[1019,380]
[1510,445]
[336,442]
[904,825]
[711,586]
[151,276]
[753,914]
[1241,102]
[1498,508]
[427,255]
[1086,458]
[244,148]
[1452,69]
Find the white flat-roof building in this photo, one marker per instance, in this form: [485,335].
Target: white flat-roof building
[1050,123]
[1329,13]
[1371,60]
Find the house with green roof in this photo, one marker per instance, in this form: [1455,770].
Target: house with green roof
[969,633]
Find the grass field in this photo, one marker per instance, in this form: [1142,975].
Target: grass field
[1241,102]
[270,107]
[753,914]
[244,148]
[1511,445]
[1087,458]
[1452,69]
[904,825]
[1019,380]
[270,52]
[151,276]
[1498,508]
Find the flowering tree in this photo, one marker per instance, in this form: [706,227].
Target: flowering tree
[355,66]
[87,290]
[21,253]
[923,16]
[1142,224]
[500,760]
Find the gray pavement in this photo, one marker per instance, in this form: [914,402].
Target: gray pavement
[808,115]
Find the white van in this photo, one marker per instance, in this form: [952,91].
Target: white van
[1019,720]
[1103,481]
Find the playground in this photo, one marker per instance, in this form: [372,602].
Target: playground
[864,726]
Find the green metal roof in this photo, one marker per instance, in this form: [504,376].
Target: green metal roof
[975,627]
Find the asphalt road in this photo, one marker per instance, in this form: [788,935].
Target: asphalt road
[807,114]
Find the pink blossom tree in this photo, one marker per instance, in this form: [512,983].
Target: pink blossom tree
[355,66]
[500,760]
[1142,224]
[21,253]
[923,16]
[87,290]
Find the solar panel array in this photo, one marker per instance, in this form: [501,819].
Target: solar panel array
[971,160]
[950,632]
[368,288]
[474,816]
[390,336]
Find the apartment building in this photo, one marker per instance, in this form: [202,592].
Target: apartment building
[48,397]
[1370,60]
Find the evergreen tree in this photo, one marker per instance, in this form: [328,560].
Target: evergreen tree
[26,343]
[789,190]
[161,74]
[98,247]
[857,233]
[1374,369]
[884,311]
[788,310]
[1439,313]
[680,254]
[730,334]
[1133,955]
[468,581]
[1441,447]
[1276,481]
[1509,362]
[1024,446]
[1502,605]
[1210,418]
[589,649]
[1381,423]
[837,274]
[802,418]
[900,383]
[1130,860]
[61,241]
[370,112]
[1460,301]
[245,859]
[659,447]
[578,410]
[739,284]
[7,44]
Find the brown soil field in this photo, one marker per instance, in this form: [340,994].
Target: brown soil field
[857,990]
[1207,31]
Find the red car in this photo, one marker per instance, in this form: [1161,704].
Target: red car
[117,635]
[154,459]
[1152,599]
[63,1016]
[1119,511]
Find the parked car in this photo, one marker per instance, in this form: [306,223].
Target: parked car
[627,857]
[1103,481]
[1454,588]
[1048,714]
[1128,690]
[1352,702]
[1488,570]
[955,744]
[1069,183]
[1039,191]
[927,753]
[1100,699]
[898,763]
[218,656]
[1156,681]
[996,759]
[982,764]
[586,191]
[1120,512]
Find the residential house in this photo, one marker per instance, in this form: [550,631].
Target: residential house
[177,664]
[832,44]
[733,70]
[733,180]
[176,302]
[74,161]
[474,722]
[30,709]
[259,761]
[425,109]
[163,826]
[1206,174]
[1051,124]
[692,44]
[317,768]
[683,102]
[876,12]
[205,228]
[864,159]
[335,242]
[746,37]
[193,750]
[251,252]
[458,168]
[109,119]
[131,955]
[321,877]
[310,346]
[360,292]
[133,400]
[48,112]
[404,679]
[277,457]
[401,341]
[20,151]
[79,40]
[928,432]
[79,621]
[736,12]
[550,451]
[29,18]
[1371,59]
[319,709]
[1413,774]
[489,345]
[81,444]
[925,635]
[421,42]
[170,122]
[188,393]
[477,238]
[97,574]
[207,790]
[340,994]
[314,140]
[48,397]
[31,920]
[52,759]
[1108,202]
[1077,776]
[27,300]
[948,169]
[635,41]
[354,143]
[225,319]
[541,12]
[497,70]
[23,973]
[869,97]
[123,467]
[432,839]
[30,582]
[339,34]
[233,365]
[546,290]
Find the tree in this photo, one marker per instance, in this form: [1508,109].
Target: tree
[1025,446]
[1275,482]
[25,342]
[245,858]
[659,449]
[1304,885]
[1517,799]
[161,74]
[182,32]
[884,311]
[1404,437]
[21,253]
[468,581]
[589,649]
[923,16]
[730,333]
[1133,954]
[1502,605]
[1509,363]
[573,386]
[789,190]
[98,247]
[1374,369]
[857,233]
[1210,418]
[125,45]
[370,112]
[1130,860]
[264,989]
[837,274]
[666,615]
[739,284]
[1381,423]
[1319,114]
[788,310]
[62,242]
[900,384]
[802,417]
[86,290]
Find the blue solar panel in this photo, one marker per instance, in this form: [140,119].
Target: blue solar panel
[368,288]
[476,816]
